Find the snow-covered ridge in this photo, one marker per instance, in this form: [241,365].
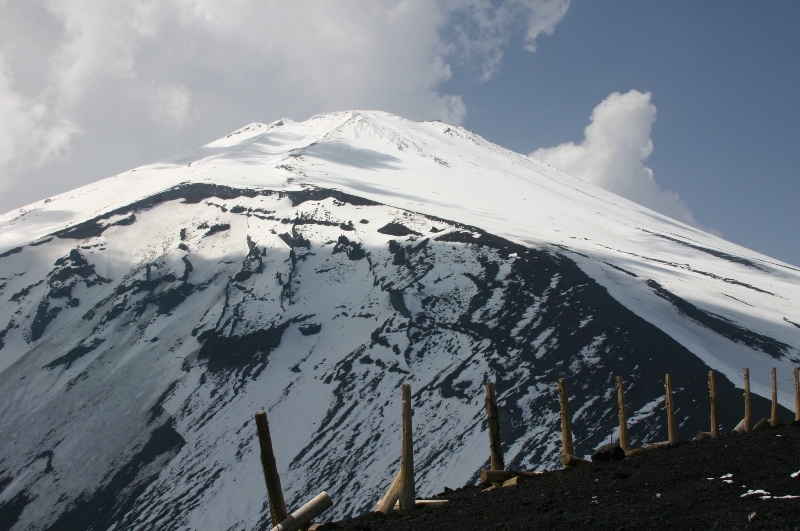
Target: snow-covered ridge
[446,171]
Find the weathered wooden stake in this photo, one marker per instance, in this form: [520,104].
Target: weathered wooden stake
[501,476]
[277,507]
[748,426]
[407,487]
[426,503]
[761,424]
[569,460]
[648,447]
[390,498]
[624,442]
[797,394]
[712,392]
[773,419]
[671,431]
[320,503]
[513,482]
[566,428]
[494,429]
[496,476]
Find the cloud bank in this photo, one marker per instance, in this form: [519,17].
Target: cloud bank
[92,87]
[612,155]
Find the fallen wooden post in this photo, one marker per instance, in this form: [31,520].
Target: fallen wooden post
[671,428]
[277,507]
[569,460]
[797,394]
[306,513]
[773,419]
[499,476]
[513,482]
[761,425]
[712,392]
[624,443]
[494,429]
[407,487]
[424,503]
[566,428]
[391,497]
[655,446]
[647,447]
[496,476]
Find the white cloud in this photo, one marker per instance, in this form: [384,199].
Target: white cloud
[543,16]
[92,87]
[171,105]
[481,30]
[613,153]
[29,135]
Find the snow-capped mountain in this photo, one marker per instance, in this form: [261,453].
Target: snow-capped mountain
[312,268]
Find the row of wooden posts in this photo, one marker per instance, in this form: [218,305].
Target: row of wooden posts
[568,457]
[401,494]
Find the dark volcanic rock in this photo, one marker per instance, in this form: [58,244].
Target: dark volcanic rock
[609,452]
[397,229]
[310,329]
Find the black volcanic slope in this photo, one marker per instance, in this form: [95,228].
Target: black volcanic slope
[698,485]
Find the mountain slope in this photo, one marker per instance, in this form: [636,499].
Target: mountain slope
[310,269]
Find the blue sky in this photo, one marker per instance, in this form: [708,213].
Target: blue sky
[692,105]
[724,76]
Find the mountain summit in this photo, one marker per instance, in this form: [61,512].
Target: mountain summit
[311,268]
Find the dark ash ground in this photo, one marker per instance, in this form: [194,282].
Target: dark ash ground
[657,489]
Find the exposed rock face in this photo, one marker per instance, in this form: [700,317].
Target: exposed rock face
[178,334]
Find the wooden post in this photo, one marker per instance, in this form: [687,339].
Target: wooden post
[321,502]
[390,498]
[797,394]
[497,476]
[569,460]
[513,482]
[494,429]
[671,431]
[566,428]
[407,487]
[712,392]
[773,419]
[501,476]
[747,418]
[624,443]
[761,424]
[277,507]
[426,503]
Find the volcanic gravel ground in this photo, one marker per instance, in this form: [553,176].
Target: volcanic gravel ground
[697,485]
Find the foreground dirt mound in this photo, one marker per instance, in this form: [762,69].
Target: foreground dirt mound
[705,484]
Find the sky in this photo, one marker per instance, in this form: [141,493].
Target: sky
[689,108]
